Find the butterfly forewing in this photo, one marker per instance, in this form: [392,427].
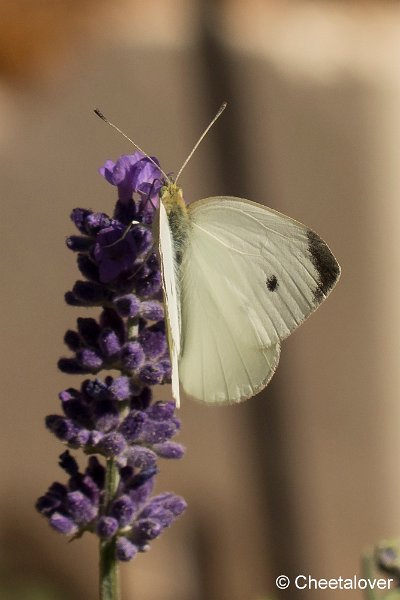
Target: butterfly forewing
[249,277]
[171,296]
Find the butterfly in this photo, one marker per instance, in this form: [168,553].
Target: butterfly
[238,278]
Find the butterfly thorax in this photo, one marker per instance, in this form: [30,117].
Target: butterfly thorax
[178,218]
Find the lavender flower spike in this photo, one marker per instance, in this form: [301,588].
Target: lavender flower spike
[113,419]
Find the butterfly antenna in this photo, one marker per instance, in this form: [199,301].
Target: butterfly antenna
[203,135]
[103,118]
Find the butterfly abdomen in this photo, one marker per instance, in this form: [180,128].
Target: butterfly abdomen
[178,218]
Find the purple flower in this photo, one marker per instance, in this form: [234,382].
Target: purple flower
[134,173]
[114,417]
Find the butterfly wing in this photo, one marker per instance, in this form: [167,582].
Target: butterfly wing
[249,277]
[171,296]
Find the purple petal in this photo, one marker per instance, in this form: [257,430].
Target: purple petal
[128,305]
[141,457]
[132,425]
[113,444]
[132,356]
[107,527]
[153,310]
[109,343]
[125,550]
[120,388]
[80,508]
[154,343]
[169,450]
[123,510]
[151,374]
[63,524]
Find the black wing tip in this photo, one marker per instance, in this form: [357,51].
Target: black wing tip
[325,263]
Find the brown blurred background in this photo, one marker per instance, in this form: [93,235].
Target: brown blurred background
[304,477]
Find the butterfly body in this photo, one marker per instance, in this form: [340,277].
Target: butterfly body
[178,217]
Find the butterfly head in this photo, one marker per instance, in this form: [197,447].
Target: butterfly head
[172,197]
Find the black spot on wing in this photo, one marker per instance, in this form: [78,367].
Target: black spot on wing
[272,283]
[325,263]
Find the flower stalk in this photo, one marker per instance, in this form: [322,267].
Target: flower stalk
[108,568]
[109,571]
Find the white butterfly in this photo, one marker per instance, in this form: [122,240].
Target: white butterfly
[238,278]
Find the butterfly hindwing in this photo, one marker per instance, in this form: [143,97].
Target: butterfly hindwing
[249,277]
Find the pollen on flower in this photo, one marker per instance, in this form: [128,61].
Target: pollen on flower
[113,417]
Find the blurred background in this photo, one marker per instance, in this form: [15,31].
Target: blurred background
[304,477]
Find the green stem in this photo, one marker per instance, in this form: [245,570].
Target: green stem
[109,572]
